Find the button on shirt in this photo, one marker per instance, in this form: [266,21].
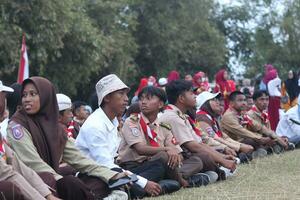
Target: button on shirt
[98,138]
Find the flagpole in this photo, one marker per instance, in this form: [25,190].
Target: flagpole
[23,72]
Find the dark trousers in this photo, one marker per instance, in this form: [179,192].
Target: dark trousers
[8,191]
[77,188]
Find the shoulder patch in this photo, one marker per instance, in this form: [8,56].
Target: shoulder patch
[165,125]
[17,132]
[135,132]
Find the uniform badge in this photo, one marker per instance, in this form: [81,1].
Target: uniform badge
[135,132]
[210,131]
[17,132]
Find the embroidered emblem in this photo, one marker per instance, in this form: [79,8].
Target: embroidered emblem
[135,132]
[17,132]
[210,131]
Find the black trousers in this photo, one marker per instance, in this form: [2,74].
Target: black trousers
[8,191]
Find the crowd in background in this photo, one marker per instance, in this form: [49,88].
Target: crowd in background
[177,131]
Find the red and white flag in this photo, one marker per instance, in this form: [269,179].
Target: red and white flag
[24,65]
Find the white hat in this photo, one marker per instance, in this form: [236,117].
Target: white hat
[204,97]
[4,88]
[162,81]
[64,102]
[107,85]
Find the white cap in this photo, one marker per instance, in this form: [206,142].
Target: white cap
[162,81]
[4,88]
[64,102]
[107,85]
[204,97]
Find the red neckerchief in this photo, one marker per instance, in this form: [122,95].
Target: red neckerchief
[215,126]
[150,134]
[244,119]
[70,129]
[263,115]
[2,149]
[192,122]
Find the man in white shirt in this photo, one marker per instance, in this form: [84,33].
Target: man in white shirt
[99,138]
[289,124]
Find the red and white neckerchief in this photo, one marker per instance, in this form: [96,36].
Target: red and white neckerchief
[150,134]
[191,121]
[70,129]
[215,126]
[244,119]
[193,124]
[2,149]
[263,115]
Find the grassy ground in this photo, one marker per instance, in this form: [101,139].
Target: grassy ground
[272,178]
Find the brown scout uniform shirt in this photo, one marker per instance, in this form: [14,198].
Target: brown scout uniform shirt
[231,126]
[261,127]
[16,172]
[180,125]
[132,133]
[21,141]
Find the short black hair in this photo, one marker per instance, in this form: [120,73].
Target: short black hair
[176,88]
[259,93]
[77,104]
[153,91]
[234,94]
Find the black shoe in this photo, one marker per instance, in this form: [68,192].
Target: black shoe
[198,180]
[168,186]
[291,146]
[277,149]
[244,158]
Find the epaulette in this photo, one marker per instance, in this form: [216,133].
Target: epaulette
[182,116]
[134,117]
[165,125]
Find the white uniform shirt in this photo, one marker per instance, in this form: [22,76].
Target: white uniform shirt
[274,87]
[98,138]
[286,127]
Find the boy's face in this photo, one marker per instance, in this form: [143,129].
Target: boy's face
[66,117]
[117,101]
[240,103]
[262,102]
[150,104]
[188,98]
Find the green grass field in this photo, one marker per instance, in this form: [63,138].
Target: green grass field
[274,177]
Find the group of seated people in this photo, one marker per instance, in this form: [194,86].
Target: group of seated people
[170,139]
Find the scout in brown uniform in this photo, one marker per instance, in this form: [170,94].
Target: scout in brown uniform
[182,98]
[143,138]
[209,110]
[39,141]
[259,113]
[13,171]
[234,124]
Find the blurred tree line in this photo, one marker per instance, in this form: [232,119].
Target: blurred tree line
[75,42]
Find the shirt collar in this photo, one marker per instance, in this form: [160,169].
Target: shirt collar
[110,125]
[155,123]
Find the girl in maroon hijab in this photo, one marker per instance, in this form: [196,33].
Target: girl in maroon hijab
[223,86]
[200,82]
[41,143]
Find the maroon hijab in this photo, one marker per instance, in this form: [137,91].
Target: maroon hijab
[47,135]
